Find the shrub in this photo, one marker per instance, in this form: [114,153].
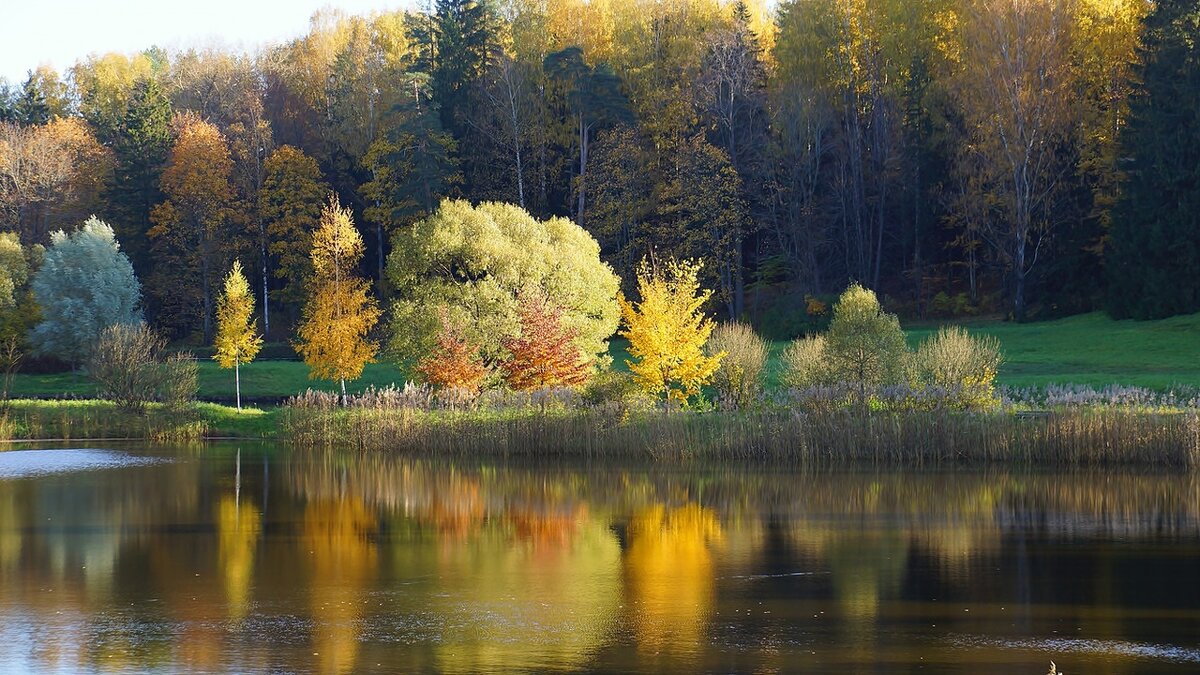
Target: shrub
[962,363]
[865,345]
[129,368]
[454,364]
[545,353]
[738,380]
[805,363]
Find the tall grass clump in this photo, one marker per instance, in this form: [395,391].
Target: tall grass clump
[956,361]
[805,364]
[738,380]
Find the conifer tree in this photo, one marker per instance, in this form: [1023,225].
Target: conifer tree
[340,312]
[237,340]
[1155,250]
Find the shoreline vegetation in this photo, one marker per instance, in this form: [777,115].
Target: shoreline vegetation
[1079,428]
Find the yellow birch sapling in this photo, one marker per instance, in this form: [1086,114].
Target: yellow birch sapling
[237,339]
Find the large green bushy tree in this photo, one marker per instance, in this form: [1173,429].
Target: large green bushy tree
[474,262]
[1155,247]
[84,285]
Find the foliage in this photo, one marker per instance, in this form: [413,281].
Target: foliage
[237,339]
[864,344]
[667,331]
[289,204]
[454,362]
[544,353]
[340,312]
[476,261]
[959,362]
[193,233]
[739,380]
[84,285]
[129,368]
[1155,250]
[806,363]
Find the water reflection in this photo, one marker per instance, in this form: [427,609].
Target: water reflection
[260,560]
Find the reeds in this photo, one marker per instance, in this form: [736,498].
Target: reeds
[1080,437]
[67,420]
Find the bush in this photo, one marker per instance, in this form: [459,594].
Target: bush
[865,345]
[128,366]
[738,380]
[961,363]
[805,363]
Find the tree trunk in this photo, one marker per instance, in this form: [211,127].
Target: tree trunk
[344,401]
[237,383]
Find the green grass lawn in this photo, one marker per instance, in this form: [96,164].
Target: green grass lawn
[1088,349]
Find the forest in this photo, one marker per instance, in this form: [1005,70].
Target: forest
[1027,158]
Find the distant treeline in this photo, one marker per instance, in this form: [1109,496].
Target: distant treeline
[1030,157]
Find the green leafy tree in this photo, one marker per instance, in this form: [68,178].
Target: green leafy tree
[18,312]
[1156,236]
[237,340]
[865,345]
[476,261]
[84,285]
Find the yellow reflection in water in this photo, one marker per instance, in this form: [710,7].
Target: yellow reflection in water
[337,535]
[238,529]
[539,590]
[669,576]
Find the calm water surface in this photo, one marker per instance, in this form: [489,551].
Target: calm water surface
[248,558]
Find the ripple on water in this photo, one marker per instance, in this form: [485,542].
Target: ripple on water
[25,463]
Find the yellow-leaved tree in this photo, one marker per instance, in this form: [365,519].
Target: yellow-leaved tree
[340,311]
[667,331]
[237,339]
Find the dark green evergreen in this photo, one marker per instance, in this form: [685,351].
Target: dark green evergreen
[30,108]
[1154,260]
[463,41]
[141,148]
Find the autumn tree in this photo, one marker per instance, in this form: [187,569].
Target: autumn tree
[544,353]
[18,311]
[1014,88]
[453,363]
[289,204]
[340,312]
[667,331]
[193,233]
[237,339]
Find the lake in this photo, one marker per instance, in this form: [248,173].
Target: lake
[228,557]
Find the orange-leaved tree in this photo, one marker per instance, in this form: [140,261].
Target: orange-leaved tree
[545,353]
[667,331]
[340,311]
[454,362]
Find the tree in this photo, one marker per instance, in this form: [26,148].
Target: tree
[463,44]
[18,313]
[1155,251]
[84,285]
[193,232]
[667,331]
[140,143]
[474,262]
[289,204]
[340,312]
[1014,89]
[865,345]
[237,340]
[544,354]
[454,362]
[412,166]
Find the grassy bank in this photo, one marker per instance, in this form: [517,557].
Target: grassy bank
[1079,437]
[67,420]
[1089,349]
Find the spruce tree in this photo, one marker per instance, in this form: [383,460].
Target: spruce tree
[31,108]
[141,144]
[1155,254]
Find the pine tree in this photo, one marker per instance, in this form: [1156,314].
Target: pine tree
[1156,234]
[141,143]
[31,108]
[464,41]
[237,340]
[667,331]
[340,312]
